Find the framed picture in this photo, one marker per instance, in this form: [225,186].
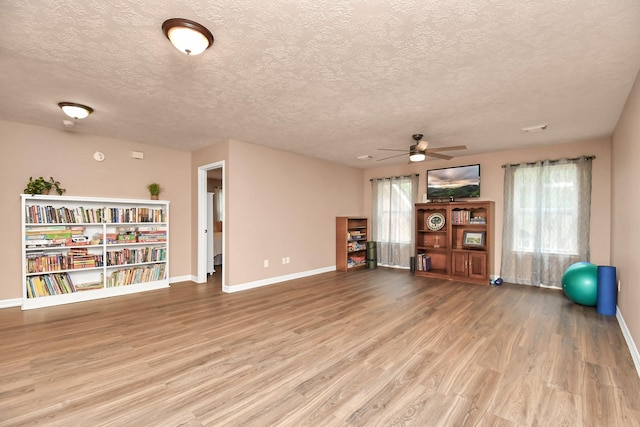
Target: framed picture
[473,239]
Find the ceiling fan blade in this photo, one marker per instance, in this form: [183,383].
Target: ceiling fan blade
[422,145]
[438,156]
[454,147]
[397,155]
[392,149]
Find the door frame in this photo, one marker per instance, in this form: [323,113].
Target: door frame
[202,222]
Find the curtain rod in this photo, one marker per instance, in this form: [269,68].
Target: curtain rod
[391,177]
[553,161]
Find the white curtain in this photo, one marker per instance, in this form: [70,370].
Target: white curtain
[547,209]
[393,202]
[218,202]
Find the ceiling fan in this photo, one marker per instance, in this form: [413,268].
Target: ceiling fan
[418,151]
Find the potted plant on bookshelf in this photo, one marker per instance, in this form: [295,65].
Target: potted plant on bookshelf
[154,190]
[42,186]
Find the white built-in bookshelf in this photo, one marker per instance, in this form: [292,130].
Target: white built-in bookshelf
[84,248]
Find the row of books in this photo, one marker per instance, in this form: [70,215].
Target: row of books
[52,231]
[49,284]
[423,262]
[136,275]
[63,240]
[136,256]
[40,262]
[57,284]
[137,236]
[57,235]
[354,261]
[356,246]
[356,235]
[38,214]
[466,217]
[131,215]
[152,236]
[61,283]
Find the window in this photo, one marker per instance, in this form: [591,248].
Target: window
[555,203]
[393,202]
[546,220]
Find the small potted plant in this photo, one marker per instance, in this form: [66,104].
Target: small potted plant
[42,186]
[154,190]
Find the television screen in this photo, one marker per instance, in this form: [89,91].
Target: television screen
[453,183]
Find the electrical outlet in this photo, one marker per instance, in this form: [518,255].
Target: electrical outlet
[619,285]
[288,260]
[284,260]
[266,263]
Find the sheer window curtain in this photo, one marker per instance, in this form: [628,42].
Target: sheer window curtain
[547,209]
[393,202]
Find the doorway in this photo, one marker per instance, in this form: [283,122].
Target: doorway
[211,226]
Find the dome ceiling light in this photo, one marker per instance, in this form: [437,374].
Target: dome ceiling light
[75,111]
[187,36]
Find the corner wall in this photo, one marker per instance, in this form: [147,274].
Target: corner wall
[278,204]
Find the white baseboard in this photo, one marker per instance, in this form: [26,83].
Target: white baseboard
[274,280]
[185,278]
[13,302]
[629,339]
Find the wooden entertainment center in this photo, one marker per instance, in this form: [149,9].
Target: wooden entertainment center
[454,240]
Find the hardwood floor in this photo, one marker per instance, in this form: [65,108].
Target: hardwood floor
[365,348]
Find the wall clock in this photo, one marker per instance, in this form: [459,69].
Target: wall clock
[435,221]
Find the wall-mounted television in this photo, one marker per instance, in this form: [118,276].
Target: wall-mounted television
[457,182]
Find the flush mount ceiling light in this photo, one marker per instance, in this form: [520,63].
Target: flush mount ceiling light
[75,111]
[416,155]
[187,36]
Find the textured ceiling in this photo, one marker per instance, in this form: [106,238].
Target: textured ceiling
[331,79]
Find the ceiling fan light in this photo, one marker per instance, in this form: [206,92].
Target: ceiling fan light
[187,36]
[75,111]
[416,155]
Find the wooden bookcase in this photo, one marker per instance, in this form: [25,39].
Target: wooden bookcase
[351,242]
[82,248]
[457,238]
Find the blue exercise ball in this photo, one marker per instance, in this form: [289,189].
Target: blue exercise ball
[580,283]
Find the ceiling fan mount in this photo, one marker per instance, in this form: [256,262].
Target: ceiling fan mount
[419,151]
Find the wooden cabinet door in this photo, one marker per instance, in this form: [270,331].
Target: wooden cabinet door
[459,261]
[469,264]
[477,265]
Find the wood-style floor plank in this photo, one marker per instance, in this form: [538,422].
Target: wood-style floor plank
[364,348]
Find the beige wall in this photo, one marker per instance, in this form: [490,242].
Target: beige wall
[626,205]
[492,183]
[279,204]
[36,151]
